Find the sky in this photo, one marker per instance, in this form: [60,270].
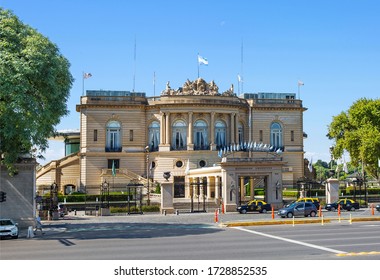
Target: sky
[333,47]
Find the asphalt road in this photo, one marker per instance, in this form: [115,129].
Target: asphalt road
[194,237]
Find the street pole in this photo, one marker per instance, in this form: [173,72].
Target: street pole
[147,173]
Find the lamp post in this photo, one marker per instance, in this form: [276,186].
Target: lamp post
[105,192]
[331,171]
[54,201]
[147,173]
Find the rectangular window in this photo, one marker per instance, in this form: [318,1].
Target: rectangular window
[261,136]
[131,135]
[95,135]
[116,162]
[292,135]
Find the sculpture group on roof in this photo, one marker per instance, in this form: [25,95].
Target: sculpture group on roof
[197,87]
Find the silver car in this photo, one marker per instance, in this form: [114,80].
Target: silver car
[298,209]
[8,228]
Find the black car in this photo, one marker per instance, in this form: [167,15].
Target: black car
[254,205]
[378,207]
[298,209]
[345,204]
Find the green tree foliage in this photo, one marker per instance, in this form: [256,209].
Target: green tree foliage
[358,132]
[34,88]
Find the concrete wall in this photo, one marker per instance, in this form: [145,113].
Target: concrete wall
[20,189]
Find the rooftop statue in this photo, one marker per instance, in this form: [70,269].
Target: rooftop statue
[197,87]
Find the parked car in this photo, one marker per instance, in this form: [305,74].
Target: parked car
[8,228]
[313,200]
[345,204]
[298,209]
[61,210]
[378,207]
[254,205]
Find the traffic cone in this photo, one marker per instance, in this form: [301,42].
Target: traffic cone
[272,213]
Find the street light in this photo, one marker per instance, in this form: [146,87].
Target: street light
[105,192]
[147,172]
[54,200]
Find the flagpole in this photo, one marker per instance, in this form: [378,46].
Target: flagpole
[242,60]
[299,96]
[238,85]
[134,66]
[154,84]
[198,64]
[82,83]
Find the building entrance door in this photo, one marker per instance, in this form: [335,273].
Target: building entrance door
[198,195]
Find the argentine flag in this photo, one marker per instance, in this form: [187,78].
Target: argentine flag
[202,60]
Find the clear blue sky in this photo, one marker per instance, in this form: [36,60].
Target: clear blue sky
[332,46]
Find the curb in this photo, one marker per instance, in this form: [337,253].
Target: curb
[290,221]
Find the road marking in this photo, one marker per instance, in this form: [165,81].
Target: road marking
[292,241]
[352,254]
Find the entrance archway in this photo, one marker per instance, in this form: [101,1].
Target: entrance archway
[198,189]
[252,187]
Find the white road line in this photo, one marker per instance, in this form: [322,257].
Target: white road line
[292,241]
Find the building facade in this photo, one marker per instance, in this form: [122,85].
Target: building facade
[209,144]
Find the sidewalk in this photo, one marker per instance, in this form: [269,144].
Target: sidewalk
[222,220]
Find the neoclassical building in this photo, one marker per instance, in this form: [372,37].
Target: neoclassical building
[213,145]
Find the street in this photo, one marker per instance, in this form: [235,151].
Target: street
[195,237]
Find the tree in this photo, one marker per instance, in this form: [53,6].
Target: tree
[358,132]
[34,87]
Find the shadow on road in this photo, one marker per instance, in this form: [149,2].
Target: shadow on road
[123,231]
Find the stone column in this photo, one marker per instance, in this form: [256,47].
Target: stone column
[242,189]
[162,129]
[167,129]
[167,198]
[237,128]
[332,190]
[190,144]
[217,189]
[232,123]
[212,132]
[252,182]
[208,187]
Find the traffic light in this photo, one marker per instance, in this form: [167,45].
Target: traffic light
[3,196]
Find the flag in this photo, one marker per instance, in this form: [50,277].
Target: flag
[345,169]
[113,169]
[239,78]
[87,75]
[202,60]
[310,166]
[300,83]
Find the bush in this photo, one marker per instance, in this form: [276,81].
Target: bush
[145,208]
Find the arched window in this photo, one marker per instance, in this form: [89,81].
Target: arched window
[241,133]
[179,135]
[220,134]
[113,141]
[154,136]
[276,135]
[200,135]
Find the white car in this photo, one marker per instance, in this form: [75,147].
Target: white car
[8,228]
